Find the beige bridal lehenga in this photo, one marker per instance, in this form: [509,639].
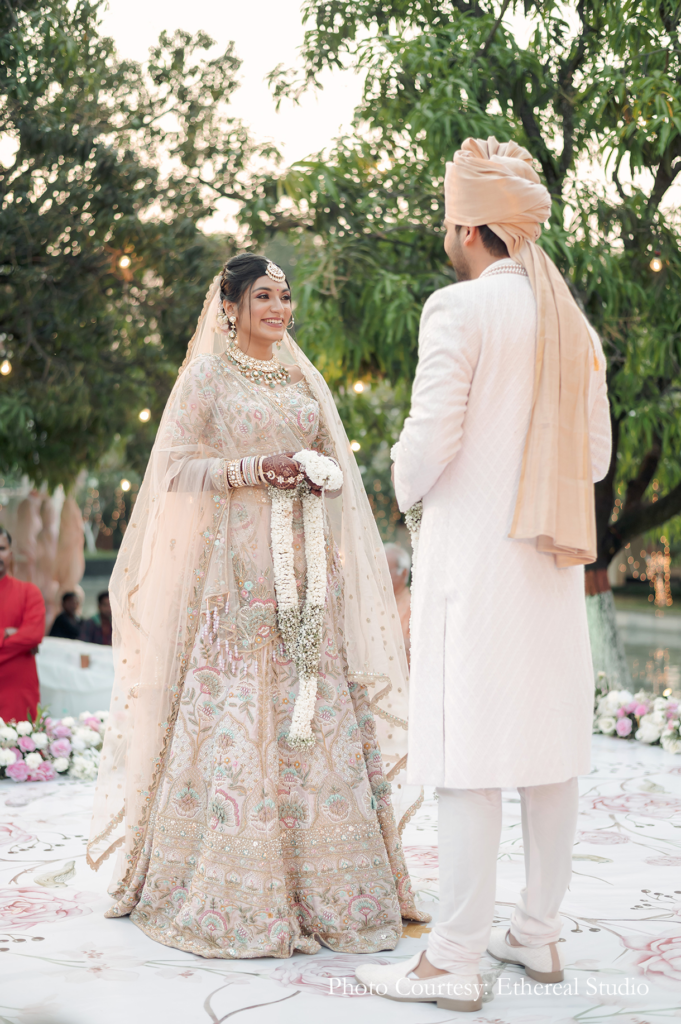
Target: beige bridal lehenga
[230,843]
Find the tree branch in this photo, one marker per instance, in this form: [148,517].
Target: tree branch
[637,487]
[490,38]
[663,180]
[566,92]
[646,517]
[12,15]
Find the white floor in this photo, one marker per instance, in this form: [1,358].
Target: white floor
[62,962]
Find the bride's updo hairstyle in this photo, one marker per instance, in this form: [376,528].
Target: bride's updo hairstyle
[239,275]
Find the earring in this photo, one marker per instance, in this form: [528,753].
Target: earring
[231,334]
[292,322]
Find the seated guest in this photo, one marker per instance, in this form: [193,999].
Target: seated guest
[67,624]
[97,630]
[399,563]
[22,627]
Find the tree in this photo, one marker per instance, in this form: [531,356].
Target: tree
[103,265]
[595,95]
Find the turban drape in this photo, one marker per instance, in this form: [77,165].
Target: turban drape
[495,184]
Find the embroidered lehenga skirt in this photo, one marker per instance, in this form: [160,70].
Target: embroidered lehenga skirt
[254,848]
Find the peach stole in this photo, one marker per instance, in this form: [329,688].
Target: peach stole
[495,184]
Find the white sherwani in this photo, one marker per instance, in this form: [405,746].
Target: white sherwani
[501,687]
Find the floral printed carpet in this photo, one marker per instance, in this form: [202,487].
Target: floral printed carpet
[62,962]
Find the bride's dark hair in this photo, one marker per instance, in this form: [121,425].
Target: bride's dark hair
[238,275]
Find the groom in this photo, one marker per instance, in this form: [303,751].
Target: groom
[508,430]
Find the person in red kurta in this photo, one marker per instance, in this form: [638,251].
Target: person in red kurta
[22,627]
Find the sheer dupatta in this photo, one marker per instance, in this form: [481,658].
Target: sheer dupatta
[157,591]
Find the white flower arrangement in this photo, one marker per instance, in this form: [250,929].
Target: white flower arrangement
[321,470]
[640,716]
[302,634]
[35,751]
[412,519]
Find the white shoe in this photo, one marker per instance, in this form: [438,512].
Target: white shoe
[543,963]
[462,992]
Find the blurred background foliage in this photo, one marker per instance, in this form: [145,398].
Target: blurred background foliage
[116,165]
[593,90]
[103,265]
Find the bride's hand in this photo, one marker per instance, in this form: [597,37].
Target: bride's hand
[281,471]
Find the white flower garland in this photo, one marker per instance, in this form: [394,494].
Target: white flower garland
[412,518]
[302,635]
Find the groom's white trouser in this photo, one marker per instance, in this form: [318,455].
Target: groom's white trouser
[469,830]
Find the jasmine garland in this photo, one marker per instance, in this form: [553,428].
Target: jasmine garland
[302,634]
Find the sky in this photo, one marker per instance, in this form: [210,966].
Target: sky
[266,33]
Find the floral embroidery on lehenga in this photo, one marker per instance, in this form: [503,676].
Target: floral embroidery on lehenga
[252,848]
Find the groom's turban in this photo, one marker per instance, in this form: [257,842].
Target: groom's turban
[495,184]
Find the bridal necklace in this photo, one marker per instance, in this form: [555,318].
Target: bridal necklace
[259,371]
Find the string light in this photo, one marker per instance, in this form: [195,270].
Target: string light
[5,367]
[656,264]
[145,415]
[355,445]
[358,386]
[124,262]
[668,692]
[125,485]
[659,564]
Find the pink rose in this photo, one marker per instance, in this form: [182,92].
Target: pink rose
[603,838]
[640,710]
[661,957]
[631,706]
[43,773]
[623,727]
[620,712]
[24,907]
[26,744]
[11,834]
[62,732]
[60,748]
[646,805]
[17,771]
[93,722]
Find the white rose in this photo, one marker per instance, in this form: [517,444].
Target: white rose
[7,757]
[102,715]
[660,704]
[41,739]
[33,760]
[78,744]
[606,723]
[83,768]
[88,736]
[610,702]
[320,469]
[2,722]
[672,744]
[8,735]
[24,728]
[60,764]
[84,714]
[648,730]
[68,722]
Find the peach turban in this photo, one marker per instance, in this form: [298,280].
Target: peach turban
[495,184]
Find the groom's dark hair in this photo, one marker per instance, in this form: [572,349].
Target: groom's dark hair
[490,240]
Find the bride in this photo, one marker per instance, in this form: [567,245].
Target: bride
[235,836]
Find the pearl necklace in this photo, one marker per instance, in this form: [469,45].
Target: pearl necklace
[257,370]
